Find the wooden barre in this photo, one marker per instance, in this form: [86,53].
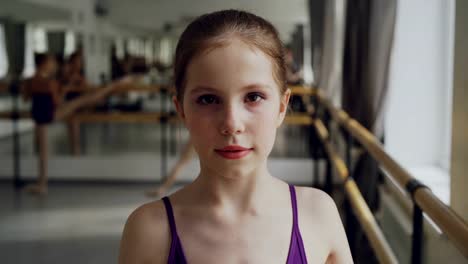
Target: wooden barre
[290,119]
[141,88]
[298,119]
[372,230]
[148,117]
[449,221]
[121,117]
[302,90]
[151,117]
[9,114]
[144,117]
[4,87]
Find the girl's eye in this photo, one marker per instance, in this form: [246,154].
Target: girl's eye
[254,97]
[207,99]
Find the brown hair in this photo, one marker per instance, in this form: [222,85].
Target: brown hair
[41,58]
[215,29]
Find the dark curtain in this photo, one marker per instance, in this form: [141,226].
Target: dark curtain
[15,40]
[297,44]
[317,16]
[56,43]
[357,95]
[368,45]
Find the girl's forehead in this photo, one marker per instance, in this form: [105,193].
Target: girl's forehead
[235,65]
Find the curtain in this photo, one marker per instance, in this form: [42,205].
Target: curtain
[316,18]
[368,46]
[15,40]
[56,42]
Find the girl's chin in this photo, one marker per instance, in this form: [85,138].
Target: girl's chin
[223,166]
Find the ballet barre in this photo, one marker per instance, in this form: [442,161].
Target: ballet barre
[423,199]
[372,230]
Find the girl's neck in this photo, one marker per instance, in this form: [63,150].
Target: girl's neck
[238,193]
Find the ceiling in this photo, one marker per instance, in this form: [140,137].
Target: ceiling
[30,11]
[150,16]
[153,14]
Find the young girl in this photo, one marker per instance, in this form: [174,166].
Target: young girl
[232,97]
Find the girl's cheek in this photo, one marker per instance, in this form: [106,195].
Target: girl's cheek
[264,111]
[197,122]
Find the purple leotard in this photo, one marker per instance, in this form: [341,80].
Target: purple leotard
[296,253]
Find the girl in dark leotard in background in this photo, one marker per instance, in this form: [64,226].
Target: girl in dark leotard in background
[48,106]
[232,96]
[45,95]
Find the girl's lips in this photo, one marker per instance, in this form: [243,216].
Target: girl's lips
[233,152]
[233,148]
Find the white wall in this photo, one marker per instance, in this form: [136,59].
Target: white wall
[419,108]
[459,165]
[418,120]
[153,14]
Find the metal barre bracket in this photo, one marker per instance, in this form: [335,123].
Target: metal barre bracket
[413,185]
[164,119]
[347,179]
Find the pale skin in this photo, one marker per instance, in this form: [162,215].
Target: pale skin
[235,210]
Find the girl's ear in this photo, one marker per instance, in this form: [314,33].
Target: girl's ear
[179,108]
[284,102]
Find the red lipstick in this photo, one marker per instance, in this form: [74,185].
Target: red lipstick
[233,152]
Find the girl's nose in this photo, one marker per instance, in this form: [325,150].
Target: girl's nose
[231,123]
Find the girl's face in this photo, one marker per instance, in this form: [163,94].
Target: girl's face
[77,63]
[232,107]
[50,66]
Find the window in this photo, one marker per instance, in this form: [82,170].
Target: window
[165,53]
[3,54]
[418,120]
[149,50]
[36,41]
[120,48]
[70,43]
[132,46]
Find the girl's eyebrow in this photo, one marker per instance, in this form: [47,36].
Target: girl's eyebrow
[204,88]
[257,86]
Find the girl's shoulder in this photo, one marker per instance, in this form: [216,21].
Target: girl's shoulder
[319,219]
[146,235]
[316,206]
[148,213]
[315,198]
